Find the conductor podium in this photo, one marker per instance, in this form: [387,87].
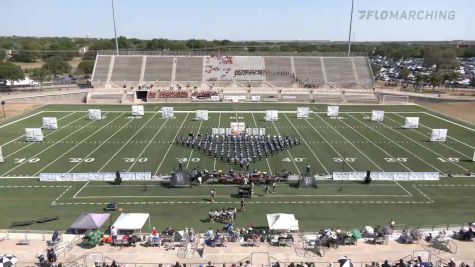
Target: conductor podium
[245,191]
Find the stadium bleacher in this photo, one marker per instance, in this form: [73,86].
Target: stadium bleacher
[158,69]
[127,68]
[226,71]
[189,69]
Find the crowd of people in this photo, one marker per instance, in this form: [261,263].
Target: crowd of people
[204,94]
[218,67]
[172,94]
[248,72]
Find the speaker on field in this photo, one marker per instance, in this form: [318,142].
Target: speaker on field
[367,179]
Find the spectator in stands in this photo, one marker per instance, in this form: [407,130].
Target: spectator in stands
[55,237]
[114,233]
[386,264]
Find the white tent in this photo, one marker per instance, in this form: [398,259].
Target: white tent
[282,222]
[132,221]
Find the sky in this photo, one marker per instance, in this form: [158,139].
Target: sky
[242,19]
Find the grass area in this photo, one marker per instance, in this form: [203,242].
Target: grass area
[348,143]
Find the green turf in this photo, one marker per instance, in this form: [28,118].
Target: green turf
[119,142]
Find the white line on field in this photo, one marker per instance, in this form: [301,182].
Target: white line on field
[15,121]
[227,196]
[157,107]
[24,135]
[384,151]
[169,147]
[267,160]
[288,152]
[148,144]
[324,139]
[422,193]
[122,147]
[448,136]
[435,168]
[99,146]
[361,152]
[31,143]
[79,191]
[305,141]
[403,188]
[64,192]
[440,118]
[48,147]
[85,139]
[219,125]
[427,148]
[191,152]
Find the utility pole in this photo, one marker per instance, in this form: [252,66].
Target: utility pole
[349,34]
[115,31]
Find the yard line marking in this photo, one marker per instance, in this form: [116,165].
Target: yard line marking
[442,143]
[427,148]
[324,139]
[420,191]
[30,143]
[361,152]
[122,147]
[311,150]
[219,125]
[69,150]
[48,147]
[20,119]
[403,188]
[288,152]
[191,152]
[148,144]
[171,144]
[440,118]
[435,168]
[267,160]
[157,107]
[79,191]
[384,151]
[64,192]
[24,135]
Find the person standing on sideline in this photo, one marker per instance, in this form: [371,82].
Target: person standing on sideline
[180,165]
[266,190]
[213,195]
[114,233]
[243,205]
[307,172]
[200,179]
[273,188]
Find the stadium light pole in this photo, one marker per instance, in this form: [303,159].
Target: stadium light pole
[351,22]
[115,31]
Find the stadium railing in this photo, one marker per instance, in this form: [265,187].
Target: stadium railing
[125,52]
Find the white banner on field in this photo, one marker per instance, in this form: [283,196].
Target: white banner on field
[94,176]
[387,176]
[34,135]
[50,123]
[272,115]
[377,115]
[235,97]
[473,156]
[303,112]
[167,112]
[215,97]
[137,110]
[238,127]
[95,114]
[1,155]
[201,115]
[411,122]
[255,131]
[255,98]
[333,111]
[438,135]
[228,131]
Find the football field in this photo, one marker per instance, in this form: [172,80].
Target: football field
[350,142]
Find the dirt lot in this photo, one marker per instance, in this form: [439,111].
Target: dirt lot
[461,110]
[14,109]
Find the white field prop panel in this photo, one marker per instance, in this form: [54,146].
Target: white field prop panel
[238,127]
[50,123]
[1,155]
[167,112]
[377,115]
[411,123]
[438,135]
[95,114]
[303,112]
[138,110]
[272,115]
[34,135]
[333,111]
[201,115]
